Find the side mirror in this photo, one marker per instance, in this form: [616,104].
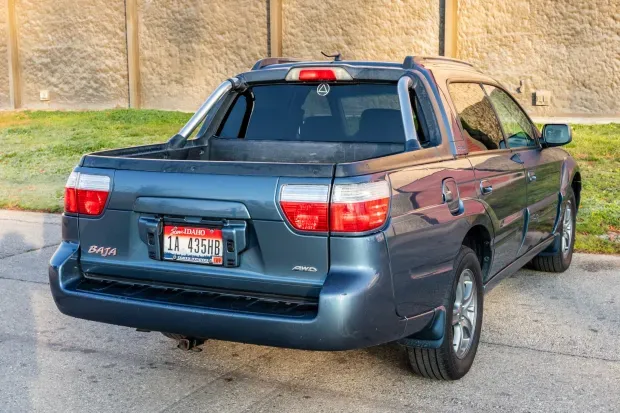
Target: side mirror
[556,134]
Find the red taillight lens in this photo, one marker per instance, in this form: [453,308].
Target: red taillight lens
[306,216]
[354,207]
[91,202]
[86,194]
[71,193]
[317,75]
[359,207]
[305,206]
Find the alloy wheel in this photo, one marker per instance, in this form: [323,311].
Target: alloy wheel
[567,230]
[464,313]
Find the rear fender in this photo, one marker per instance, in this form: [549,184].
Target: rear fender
[422,284]
[569,170]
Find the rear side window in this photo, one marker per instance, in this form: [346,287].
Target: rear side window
[368,113]
[480,125]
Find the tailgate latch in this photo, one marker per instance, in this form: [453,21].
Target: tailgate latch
[150,230]
[234,240]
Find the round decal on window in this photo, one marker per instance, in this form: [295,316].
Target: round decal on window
[323,89]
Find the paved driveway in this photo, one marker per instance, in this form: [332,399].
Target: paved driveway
[550,343]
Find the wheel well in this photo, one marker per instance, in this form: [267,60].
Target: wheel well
[479,240]
[576,185]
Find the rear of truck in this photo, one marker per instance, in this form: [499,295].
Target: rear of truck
[243,232]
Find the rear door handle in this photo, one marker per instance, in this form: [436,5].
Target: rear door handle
[486,187]
[531,176]
[451,196]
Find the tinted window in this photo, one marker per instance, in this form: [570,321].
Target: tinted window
[354,106]
[347,113]
[480,125]
[517,127]
[232,126]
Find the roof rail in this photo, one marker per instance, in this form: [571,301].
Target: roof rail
[411,61]
[268,61]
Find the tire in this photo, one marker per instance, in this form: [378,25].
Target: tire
[448,362]
[560,261]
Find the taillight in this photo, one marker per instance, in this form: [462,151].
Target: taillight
[305,206]
[318,74]
[86,194]
[359,207]
[354,207]
[71,193]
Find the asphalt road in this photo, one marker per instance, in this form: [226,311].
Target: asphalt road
[550,342]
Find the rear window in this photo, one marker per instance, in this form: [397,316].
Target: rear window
[367,113]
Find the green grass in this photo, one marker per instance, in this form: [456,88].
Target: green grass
[597,150]
[39,149]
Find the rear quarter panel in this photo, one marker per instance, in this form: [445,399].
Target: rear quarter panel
[569,168]
[423,236]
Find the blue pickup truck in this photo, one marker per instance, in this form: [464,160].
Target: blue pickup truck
[325,205]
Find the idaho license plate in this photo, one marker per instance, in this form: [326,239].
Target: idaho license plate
[193,244]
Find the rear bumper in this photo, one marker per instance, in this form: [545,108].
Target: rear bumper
[355,310]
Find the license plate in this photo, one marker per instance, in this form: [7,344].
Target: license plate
[193,244]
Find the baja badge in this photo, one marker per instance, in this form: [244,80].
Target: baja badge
[103,251]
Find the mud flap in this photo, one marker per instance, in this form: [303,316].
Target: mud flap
[430,337]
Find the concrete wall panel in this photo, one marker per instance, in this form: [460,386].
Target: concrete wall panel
[187,47]
[571,48]
[76,49]
[360,29]
[4,67]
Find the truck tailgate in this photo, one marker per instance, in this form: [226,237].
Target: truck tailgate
[268,255]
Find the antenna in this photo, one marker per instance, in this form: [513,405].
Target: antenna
[337,57]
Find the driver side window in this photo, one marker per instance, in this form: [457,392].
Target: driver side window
[518,129]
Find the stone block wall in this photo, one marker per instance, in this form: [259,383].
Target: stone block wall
[188,47]
[78,49]
[360,29]
[4,65]
[570,48]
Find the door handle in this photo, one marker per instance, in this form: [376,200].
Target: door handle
[531,176]
[486,187]
[451,197]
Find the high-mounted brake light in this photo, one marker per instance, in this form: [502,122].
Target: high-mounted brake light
[359,207]
[354,207]
[86,194]
[309,75]
[318,74]
[305,206]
